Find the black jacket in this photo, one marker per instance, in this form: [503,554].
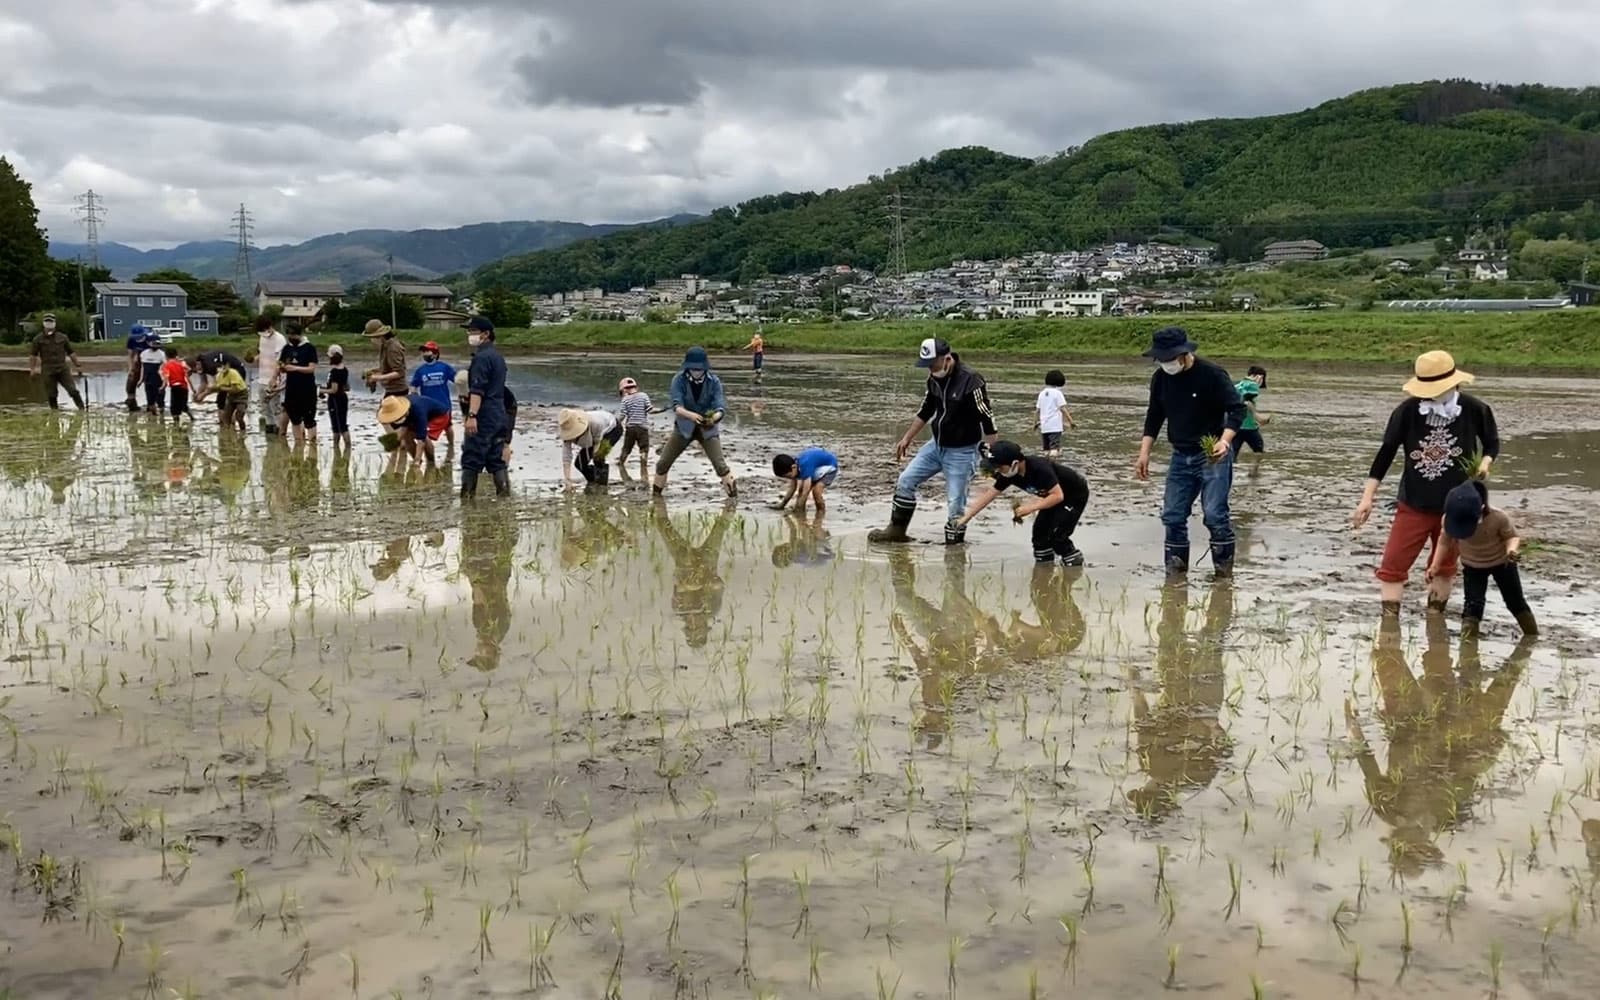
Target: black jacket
[1195,402]
[956,408]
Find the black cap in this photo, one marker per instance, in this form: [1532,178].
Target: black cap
[481,324]
[932,349]
[1463,509]
[1170,343]
[1004,453]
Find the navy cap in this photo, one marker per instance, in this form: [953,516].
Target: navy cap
[481,324]
[932,349]
[1463,509]
[1170,343]
[1004,453]
[695,357]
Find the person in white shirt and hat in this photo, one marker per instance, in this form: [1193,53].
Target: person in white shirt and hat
[587,437]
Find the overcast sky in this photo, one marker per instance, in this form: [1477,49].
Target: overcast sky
[329,115]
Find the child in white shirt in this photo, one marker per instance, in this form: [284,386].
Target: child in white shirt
[1053,413]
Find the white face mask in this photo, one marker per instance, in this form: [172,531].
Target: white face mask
[1172,367]
[49,325]
[473,340]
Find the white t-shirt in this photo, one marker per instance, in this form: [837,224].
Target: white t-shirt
[267,360]
[152,356]
[1050,403]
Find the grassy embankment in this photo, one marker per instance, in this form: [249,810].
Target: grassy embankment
[1568,339]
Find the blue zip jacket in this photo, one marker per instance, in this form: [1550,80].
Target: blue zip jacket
[709,401]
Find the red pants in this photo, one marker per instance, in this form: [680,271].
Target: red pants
[437,425]
[1411,530]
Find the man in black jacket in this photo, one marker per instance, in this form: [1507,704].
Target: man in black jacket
[1196,400]
[956,409]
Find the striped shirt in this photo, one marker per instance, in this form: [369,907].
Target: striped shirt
[636,410]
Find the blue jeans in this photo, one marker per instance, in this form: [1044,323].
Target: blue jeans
[958,466]
[1194,475]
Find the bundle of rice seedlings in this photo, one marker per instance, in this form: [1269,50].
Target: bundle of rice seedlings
[1471,464]
[1208,444]
[390,440]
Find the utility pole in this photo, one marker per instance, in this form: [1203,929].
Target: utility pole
[391,292]
[83,304]
[243,228]
[91,211]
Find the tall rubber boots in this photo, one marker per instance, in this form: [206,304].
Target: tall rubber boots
[502,483]
[900,513]
[955,533]
[469,484]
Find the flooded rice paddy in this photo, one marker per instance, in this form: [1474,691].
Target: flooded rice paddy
[276,724]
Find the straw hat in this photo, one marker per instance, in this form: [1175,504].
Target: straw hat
[1436,374]
[335,349]
[571,425]
[393,409]
[375,328]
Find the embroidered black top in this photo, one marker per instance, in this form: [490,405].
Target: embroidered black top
[1434,450]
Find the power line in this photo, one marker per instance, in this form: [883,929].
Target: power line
[243,228]
[91,211]
[897,236]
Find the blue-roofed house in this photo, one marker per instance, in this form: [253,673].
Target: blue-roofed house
[120,305]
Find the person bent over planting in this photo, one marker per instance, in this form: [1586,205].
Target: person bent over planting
[586,441]
[956,409]
[1432,431]
[417,421]
[809,474]
[1059,493]
[1202,411]
[1485,541]
[698,401]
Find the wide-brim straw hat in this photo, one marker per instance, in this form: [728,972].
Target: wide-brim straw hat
[375,328]
[571,425]
[393,409]
[1436,374]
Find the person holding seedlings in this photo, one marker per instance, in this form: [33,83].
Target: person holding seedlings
[1485,541]
[1202,411]
[150,361]
[698,401]
[175,377]
[1432,432]
[390,372]
[956,409]
[337,391]
[297,365]
[488,428]
[809,473]
[758,353]
[233,396]
[1445,732]
[207,364]
[1059,496]
[635,425]
[1053,415]
[418,420]
[268,386]
[1250,388]
[52,352]
[434,378]
[586,440]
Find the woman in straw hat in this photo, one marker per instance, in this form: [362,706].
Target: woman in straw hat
[1444,437]
[418,421]
[591,434]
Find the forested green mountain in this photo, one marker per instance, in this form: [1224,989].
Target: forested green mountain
[1413,161]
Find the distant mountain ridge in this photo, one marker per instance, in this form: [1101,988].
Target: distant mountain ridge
[1375,168]
[362,254]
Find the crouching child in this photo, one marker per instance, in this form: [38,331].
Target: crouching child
[1059,496]
[809,474]
[1486,539]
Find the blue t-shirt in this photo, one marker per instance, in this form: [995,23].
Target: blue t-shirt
[436,381]
[815,464]
[423,410]
[136,341]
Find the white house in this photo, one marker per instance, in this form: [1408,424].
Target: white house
[1490,271]
[1071,303]
[299,300]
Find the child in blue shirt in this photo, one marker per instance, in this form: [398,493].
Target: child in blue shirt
[809,473]
[434,380]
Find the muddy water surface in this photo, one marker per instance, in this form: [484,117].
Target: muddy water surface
[276,724]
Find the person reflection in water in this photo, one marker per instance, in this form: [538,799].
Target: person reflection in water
[488,547]
[50,456]
[1061,627]
[1444,731]
[806,543]
[1182,744]
[696,579]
